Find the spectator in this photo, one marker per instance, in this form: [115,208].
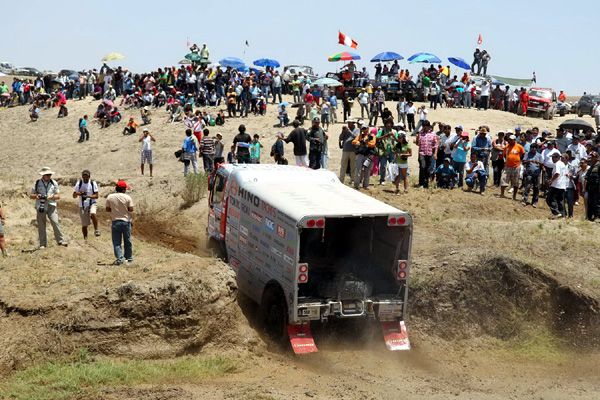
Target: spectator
[533,163]
[547,154]
[401,108]
[484,97]
[219,147]
[475,173]
[2,240]
[325,111]
[384,148]
[460,149]
[402,151]
[512,169]
[482,145]
[87,191]
[558,185]
[131,127]
[445,175]
[592,187]
[120,207]
[365,146]
[284,120]
[242,142]
[572,165]
[410,117]
[363,100]
[255,147]
[146,139]
[497,156]
[349,133]
[316,137]
[189,153]
[45,192]
[422,117]
[298,138]
[278,150]
[85,134]
[427,142]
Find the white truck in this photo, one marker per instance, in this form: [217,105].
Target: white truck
[305,247]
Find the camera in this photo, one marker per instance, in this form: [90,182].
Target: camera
[42,205]
[83,197]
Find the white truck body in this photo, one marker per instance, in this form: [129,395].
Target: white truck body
[329,250]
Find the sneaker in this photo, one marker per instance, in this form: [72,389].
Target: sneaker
[130,260]
[64,244]
[42,247]
[533,205]
[576,203]
[511,190]
[96,233]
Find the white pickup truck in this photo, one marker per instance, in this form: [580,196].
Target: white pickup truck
[307,248]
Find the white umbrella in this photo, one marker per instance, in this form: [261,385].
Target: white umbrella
[327,82]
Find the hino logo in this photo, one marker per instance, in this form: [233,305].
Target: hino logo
[244,194]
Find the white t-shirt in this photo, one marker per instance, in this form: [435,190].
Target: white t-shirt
[578,151]
[423,114]
[147,143]
[478,167]
[89,189]
[363,98]
[485,90]
[561,169]
[411,110]
[547,156]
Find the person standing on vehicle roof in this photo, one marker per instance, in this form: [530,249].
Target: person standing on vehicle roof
[298,138]
[476,60]
[485,59]
[316,137]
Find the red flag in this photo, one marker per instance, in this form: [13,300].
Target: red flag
[479,40]
[346,40]
[187,43]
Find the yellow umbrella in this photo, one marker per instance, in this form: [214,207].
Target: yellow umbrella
[113,56]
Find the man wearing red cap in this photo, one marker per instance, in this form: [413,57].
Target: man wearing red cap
[120,207]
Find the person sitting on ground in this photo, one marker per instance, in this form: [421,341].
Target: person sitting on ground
[301,114]
[114,115]
[110,94]
[145,113]
[220,118]
[475,172]
[446,175]
[34,112]
[131,127]
[175,112]
[284,120]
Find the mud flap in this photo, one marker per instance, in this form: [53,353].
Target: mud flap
[301,339]
[395,335]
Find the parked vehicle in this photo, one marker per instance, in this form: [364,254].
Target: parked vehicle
[563,108]
[305,247]
[542,101]
[6,67]
[32,71]
[305,69]
[68,72]
[586,104]
[390,83]
[20,71]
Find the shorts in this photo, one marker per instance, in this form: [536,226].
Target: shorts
[325,118]
[1,228]
[84,214]
[147,156]
[403,166]
[510,176]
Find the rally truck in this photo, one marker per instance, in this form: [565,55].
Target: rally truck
[307,248]
[542,102]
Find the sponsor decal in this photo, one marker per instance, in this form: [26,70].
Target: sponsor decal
[249,197]
[265,244]
[257,258]
[256,248]
[289,250]
[243,230]
[281,231]
[291,237]
[276,252]
[270,224]
[245,209]
[233,202]
[243,239]
[278,243]
[234,213]
[288,259]
[234,189]
[234,263]
[257,217]
[256,228]
[269,209]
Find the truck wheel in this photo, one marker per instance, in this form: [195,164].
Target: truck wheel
[562,113]
[579,114]
[217,248]
[274,315]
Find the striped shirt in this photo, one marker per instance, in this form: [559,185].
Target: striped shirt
[208,145]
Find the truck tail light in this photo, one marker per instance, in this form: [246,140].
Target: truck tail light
[313,222]
[320,223]
[396,221]
[402,271]
[302,273]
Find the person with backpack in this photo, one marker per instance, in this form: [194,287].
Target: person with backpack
[87,191]
[85,134]
[45,192]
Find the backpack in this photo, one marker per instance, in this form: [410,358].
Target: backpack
[273,149]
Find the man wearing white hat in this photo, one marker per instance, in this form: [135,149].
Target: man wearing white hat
[45,192]
[348,134]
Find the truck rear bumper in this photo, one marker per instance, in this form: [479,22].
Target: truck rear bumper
[388,309]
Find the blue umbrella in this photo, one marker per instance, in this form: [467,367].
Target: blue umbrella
[497,82]
[424,58]
[459,62]
[285,103]
[267,62]
[232,62]
[387,56]
[245,69]
[74,77]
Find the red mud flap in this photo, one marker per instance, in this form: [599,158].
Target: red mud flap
[301,339]
[395,335]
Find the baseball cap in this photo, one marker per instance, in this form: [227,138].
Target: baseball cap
[513,137]
[545,131]
[509,131]
[122,184]
[459,127]
[556,155]
[446,159]
[146,130]
[86,172]
[316,119]
[518,128]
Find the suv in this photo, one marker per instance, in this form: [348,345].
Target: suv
[390,85]
[6,67]
[586,104]
[305,69]
[542,101]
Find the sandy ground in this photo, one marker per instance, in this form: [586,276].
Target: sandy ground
[69,284]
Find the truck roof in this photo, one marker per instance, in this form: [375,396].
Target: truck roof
[300,191]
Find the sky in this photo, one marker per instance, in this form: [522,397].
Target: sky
[552,38]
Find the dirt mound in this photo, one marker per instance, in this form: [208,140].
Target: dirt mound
[501,297]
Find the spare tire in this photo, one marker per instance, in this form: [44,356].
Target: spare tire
[345,287]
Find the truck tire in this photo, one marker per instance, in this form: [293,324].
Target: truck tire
[579,114]
[562,113]
[217,248]
[274,315]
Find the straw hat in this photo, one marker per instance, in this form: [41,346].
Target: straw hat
[46,171]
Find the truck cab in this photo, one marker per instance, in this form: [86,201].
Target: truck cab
[307,248]
[542,101]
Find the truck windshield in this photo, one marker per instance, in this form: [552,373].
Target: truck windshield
[540,93]
[360,249]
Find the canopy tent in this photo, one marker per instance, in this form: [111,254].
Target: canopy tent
[513,81]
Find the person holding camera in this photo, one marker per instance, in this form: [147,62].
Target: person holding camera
[120,207]
[87,191]
[365,152]
[45,192]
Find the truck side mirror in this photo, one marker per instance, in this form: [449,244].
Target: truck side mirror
[211,181]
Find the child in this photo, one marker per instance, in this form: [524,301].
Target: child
[231,155]
[34,112]
[262,106]
[220,120]
[62,111]
[131,127]
[145,113]
[255,150]
[85,135]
